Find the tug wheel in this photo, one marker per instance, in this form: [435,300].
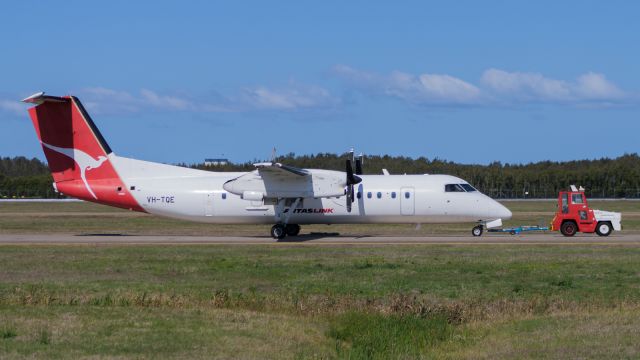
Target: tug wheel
[477,230]
[603,229]
[569,228]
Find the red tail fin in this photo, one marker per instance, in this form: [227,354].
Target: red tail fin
[77,154]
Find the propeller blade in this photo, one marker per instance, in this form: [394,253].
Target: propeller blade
[349,172]
[359,166]
[351,179]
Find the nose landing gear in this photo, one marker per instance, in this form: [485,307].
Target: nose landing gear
[477,230]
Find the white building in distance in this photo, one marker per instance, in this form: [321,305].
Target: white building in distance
[215,162]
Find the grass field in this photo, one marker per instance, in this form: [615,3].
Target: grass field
[286,300]
[292,301]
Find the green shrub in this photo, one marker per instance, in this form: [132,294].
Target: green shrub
[377,336]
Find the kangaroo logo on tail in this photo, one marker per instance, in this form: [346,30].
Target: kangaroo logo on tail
[84,161]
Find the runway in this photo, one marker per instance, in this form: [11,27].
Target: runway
[317,239]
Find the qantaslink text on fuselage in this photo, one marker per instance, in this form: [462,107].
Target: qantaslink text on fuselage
[312,211]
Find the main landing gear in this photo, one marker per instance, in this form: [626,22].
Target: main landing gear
[282,227]
[279,231]
[477,230]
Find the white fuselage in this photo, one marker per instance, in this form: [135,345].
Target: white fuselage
[198,195]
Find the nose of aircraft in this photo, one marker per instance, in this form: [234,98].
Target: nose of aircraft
[499,211]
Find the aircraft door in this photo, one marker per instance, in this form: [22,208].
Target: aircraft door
[407,201]
[208,204]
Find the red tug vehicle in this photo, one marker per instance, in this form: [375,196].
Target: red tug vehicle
[574,215]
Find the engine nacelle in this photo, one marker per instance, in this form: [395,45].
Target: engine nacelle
[252,195]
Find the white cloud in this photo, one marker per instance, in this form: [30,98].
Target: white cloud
[259,98]
[589,87]
[13,106]
[169,102]
[528,86]
[355,76]
[104,100]
[596,86]
[448,88]
[494,88]
[292,97]
[424,88]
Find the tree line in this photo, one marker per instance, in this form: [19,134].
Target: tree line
[602,178]
[21,177]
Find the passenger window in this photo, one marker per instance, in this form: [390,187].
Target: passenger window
[393,195]
[224,196]
[453,188]
[576,198]
[369,195]
[407,195]
[565,203]
[379,195]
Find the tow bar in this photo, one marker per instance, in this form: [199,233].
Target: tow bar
[520,229]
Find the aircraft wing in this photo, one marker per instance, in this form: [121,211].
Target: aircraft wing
[280,170]
[275,180]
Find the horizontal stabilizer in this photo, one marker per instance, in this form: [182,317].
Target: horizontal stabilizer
[40,98]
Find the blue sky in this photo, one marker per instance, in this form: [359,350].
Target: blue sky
[467,81]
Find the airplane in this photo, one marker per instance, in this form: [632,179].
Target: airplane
[83,166]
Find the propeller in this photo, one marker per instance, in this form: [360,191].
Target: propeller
[351,180]
[359,165]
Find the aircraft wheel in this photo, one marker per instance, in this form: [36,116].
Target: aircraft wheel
[292,229]
[477,230]
[569,228]
[603,229]
[278,231]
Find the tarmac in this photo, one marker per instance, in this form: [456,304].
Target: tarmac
[319,239]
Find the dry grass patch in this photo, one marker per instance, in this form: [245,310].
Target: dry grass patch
[73,332]
[586,334]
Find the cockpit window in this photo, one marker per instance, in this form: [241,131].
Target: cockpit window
[468,187]
[453,188]
[576,198]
